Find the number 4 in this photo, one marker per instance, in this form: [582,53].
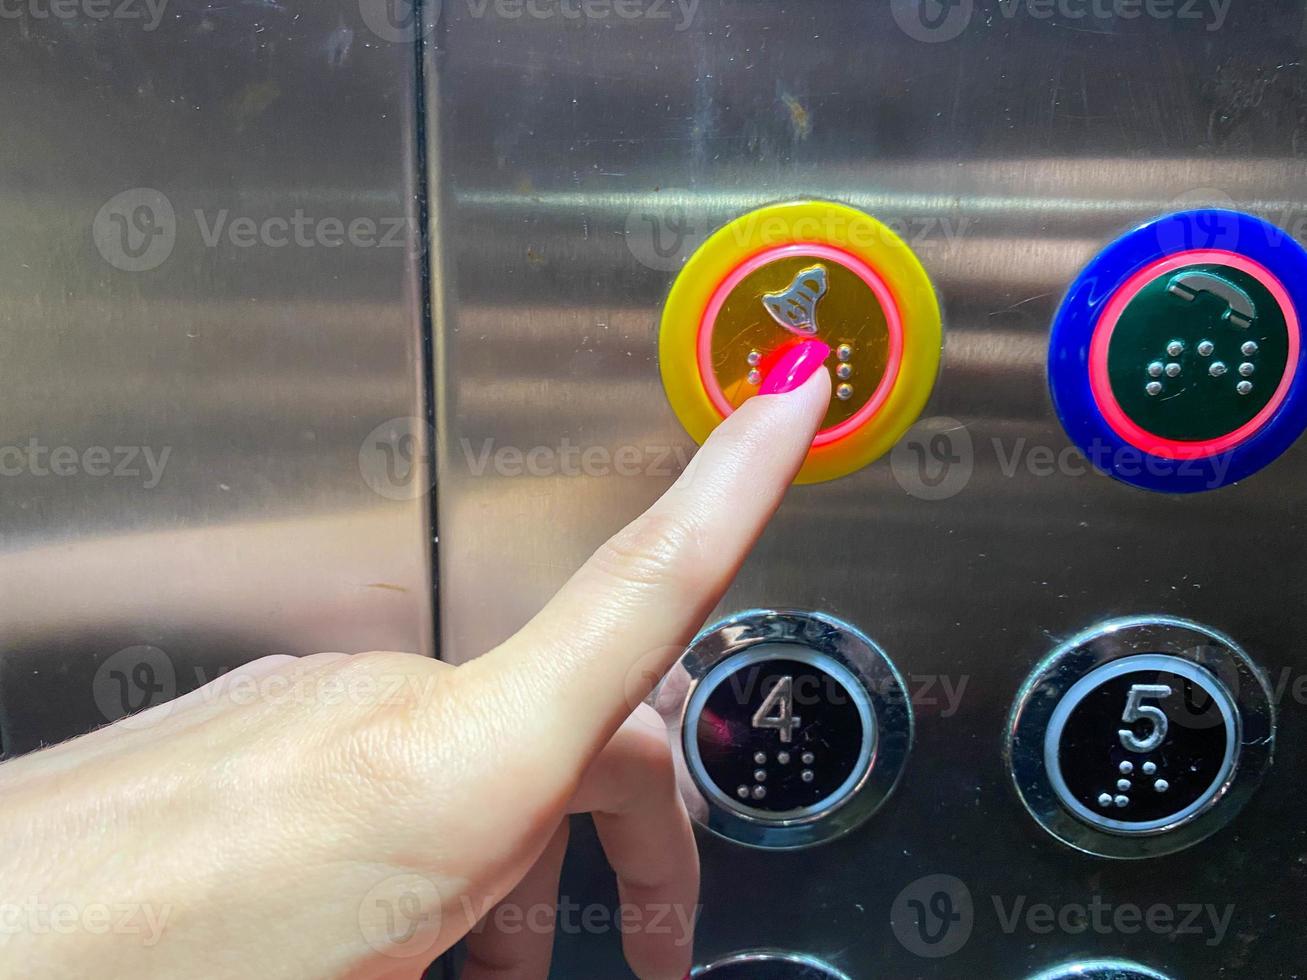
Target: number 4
[1134,711]
[785,720]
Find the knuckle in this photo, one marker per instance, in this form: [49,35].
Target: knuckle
[656,549]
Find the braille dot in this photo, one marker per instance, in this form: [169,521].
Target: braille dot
[759,792]
[844,392]
[1153,388]
[760,758]
[1206,347]
[1161,785]
[1217,369]
[1104,799]
[844,371]
[1155,369]
[783,758]
[755,377]
[1150,768]
[844,352]
[1244,387]
[807,775]
[1175,348]
[1126,768]
[755,358]
[1247,369]
[808,758]
[1121,801]
[742,792]
[1249,348]
[1123,784]
[760,775]
[1173,370]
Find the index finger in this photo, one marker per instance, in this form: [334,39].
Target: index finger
[642,596]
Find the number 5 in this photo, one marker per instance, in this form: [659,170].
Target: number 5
[1134,711]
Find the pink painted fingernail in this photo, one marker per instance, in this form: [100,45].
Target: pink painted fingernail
[796,366]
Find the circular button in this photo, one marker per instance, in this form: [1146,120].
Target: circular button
[751,750]
[768,965]
[785,273]
[788,728]
[1100,970]
[1141,737]
[1175,357]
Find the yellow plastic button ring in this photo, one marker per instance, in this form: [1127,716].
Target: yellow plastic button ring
[788,272]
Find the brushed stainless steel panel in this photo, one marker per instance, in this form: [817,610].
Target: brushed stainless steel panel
[1008,154]
[245,327]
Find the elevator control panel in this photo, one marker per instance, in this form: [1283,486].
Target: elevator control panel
[789,728]
[1176,358]
[1140,737]
[767,965]
[774,277]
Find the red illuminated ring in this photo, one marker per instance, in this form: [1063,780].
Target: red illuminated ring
[893,323]
[1100,384]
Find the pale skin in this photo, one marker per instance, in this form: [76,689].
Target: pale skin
[355,816]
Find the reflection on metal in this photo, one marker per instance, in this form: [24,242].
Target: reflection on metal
[210,264]
[581,163]
[1100,970]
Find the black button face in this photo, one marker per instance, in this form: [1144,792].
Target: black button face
[1142,743]
[763,966]
[780,732]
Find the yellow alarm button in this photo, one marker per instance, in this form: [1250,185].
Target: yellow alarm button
[776,276]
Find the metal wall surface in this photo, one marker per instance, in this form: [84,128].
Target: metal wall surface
[1011,142]
[211,252]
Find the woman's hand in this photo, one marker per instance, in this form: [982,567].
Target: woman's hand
[354,816]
